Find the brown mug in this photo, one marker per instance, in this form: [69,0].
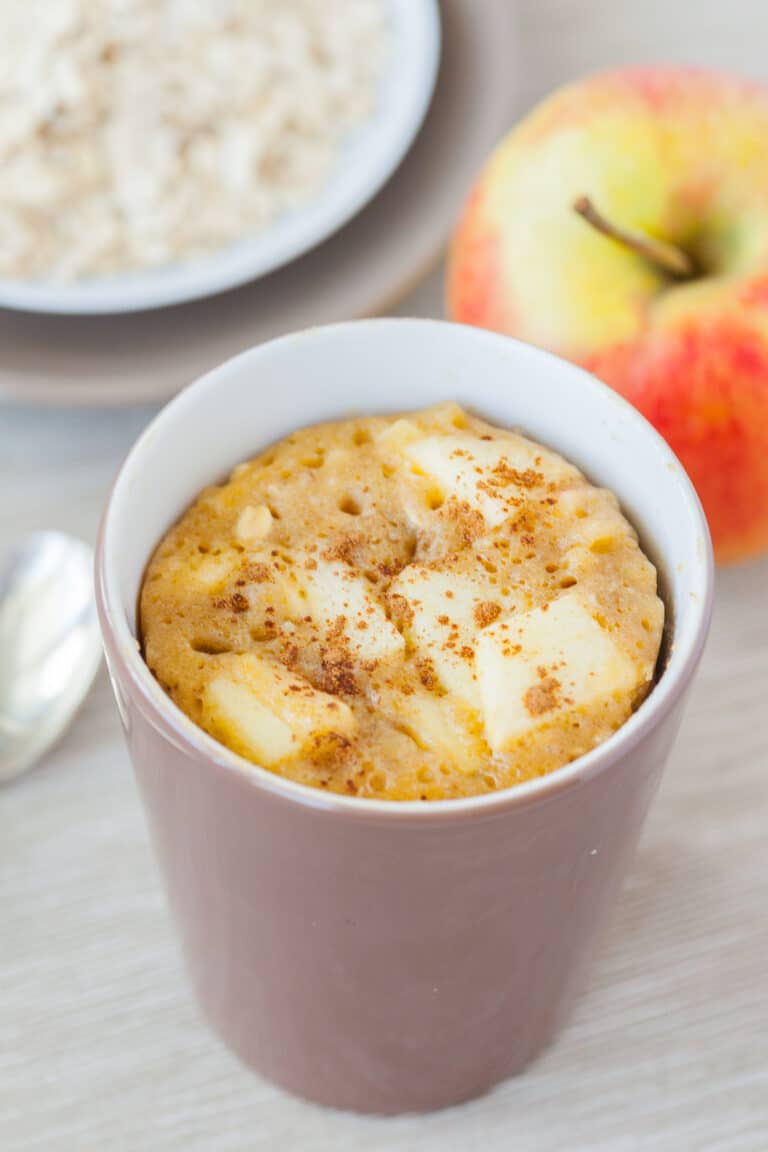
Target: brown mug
[375,955]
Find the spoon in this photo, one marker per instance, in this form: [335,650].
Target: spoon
[50,645]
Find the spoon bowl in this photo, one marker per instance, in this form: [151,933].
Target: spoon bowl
[50,645]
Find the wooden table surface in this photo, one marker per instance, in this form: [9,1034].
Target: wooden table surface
[101,1046]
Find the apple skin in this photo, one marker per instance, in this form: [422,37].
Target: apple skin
[680,155]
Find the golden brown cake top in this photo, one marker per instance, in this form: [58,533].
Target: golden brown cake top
[421,607]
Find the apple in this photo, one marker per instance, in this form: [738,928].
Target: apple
[624,225]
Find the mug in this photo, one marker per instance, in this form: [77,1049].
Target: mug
[375,955]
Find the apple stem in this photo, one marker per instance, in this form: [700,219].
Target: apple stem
[667,257]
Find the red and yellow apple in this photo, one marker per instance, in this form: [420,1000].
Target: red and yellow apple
[624,225]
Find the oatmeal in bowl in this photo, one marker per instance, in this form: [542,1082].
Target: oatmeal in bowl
[155,152]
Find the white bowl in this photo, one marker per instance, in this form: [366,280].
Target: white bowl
[367,161]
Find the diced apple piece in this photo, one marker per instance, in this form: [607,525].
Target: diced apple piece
[535,665]
[269,713]
[436,724]
[253,524]
[247,724]
[212,570]
[446,609]
[483,472]
[201,571]
[276,581]
[334,590]
[432,592]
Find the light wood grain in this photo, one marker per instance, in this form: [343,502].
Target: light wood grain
[101,1046]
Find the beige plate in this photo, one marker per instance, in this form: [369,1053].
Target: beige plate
[362,270]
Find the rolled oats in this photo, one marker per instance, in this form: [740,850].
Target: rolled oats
[135,133]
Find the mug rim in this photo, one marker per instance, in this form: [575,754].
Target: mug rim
[165,716]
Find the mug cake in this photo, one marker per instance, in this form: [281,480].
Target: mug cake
[415,607]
